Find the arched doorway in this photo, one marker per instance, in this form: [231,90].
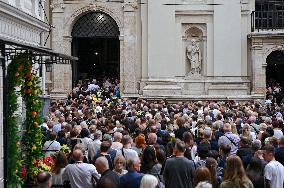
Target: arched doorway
[95,41]
[274,73]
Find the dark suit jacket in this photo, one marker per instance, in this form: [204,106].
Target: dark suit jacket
[109,179]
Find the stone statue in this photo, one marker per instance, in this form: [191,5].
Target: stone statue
[193,54]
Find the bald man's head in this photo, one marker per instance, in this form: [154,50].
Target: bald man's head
[77,155]
[102,164]
[152,138]
[44,180]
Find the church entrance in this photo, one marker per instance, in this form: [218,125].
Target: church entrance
[95,42]
[274,74]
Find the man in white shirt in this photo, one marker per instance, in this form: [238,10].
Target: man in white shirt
[273,171]
[229,139]
[126,151]
[51,146]
[80,174]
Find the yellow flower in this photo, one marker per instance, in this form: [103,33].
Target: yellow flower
[29,84]
[34,147]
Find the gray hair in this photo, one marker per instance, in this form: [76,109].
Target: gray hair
[131,161]
[149,181]
[117,136]
[97,134]
[256,145]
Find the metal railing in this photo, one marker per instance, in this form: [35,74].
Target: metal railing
[267,20]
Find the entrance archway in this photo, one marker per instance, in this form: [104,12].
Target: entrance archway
[95,41]
[274,72]
[275,67]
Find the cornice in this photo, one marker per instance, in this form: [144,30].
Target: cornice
[18,14]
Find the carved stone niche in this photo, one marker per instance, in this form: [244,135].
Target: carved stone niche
[193,53]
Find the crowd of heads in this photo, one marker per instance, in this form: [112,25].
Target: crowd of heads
[226,141]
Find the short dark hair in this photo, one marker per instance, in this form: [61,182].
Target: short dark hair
[281,140]
[126,139]
[269,149]
[180,145]
[53,135]
[225,148]
[105,146]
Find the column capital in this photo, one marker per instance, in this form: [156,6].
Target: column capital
[130,6]
[57,6]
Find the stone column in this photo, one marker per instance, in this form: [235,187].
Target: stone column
[129,76]
[61,73]
[258,71]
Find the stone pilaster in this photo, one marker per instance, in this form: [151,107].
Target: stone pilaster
[258,70]
[129,82]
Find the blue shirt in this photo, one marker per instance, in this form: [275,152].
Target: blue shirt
[131,179]
[57,127]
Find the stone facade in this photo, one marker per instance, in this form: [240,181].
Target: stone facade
[262,44]
[154,36]
[21,21]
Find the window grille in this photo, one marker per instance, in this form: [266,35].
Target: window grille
[95,24]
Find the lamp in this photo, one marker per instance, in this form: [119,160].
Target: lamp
[48,65]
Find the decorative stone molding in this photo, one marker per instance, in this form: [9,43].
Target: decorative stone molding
[57,6]
[199,28]
[16,30]
[130,6]
[114,13]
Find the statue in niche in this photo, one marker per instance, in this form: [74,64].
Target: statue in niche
[193,54]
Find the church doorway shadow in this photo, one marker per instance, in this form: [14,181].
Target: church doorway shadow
[275,76]
[95,41]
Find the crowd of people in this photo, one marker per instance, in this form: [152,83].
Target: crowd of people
[98,139]
[274,93]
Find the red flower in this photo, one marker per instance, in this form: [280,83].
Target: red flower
[24,172]
[34,113]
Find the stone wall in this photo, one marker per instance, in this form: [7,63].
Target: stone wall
[154,37]
[65,14]
[1,129]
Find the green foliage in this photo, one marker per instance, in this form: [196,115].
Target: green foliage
[22,154]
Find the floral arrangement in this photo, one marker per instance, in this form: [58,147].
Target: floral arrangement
[24,146]
[65,149]
[40,165]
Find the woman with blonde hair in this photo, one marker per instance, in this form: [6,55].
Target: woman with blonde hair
[149,181]
[235,175]
[246,132]
[119,165]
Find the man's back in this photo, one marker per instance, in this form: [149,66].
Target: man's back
[127,153]
[131,180]
[179,172]
[80,174]
[274,172]
[230,139]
